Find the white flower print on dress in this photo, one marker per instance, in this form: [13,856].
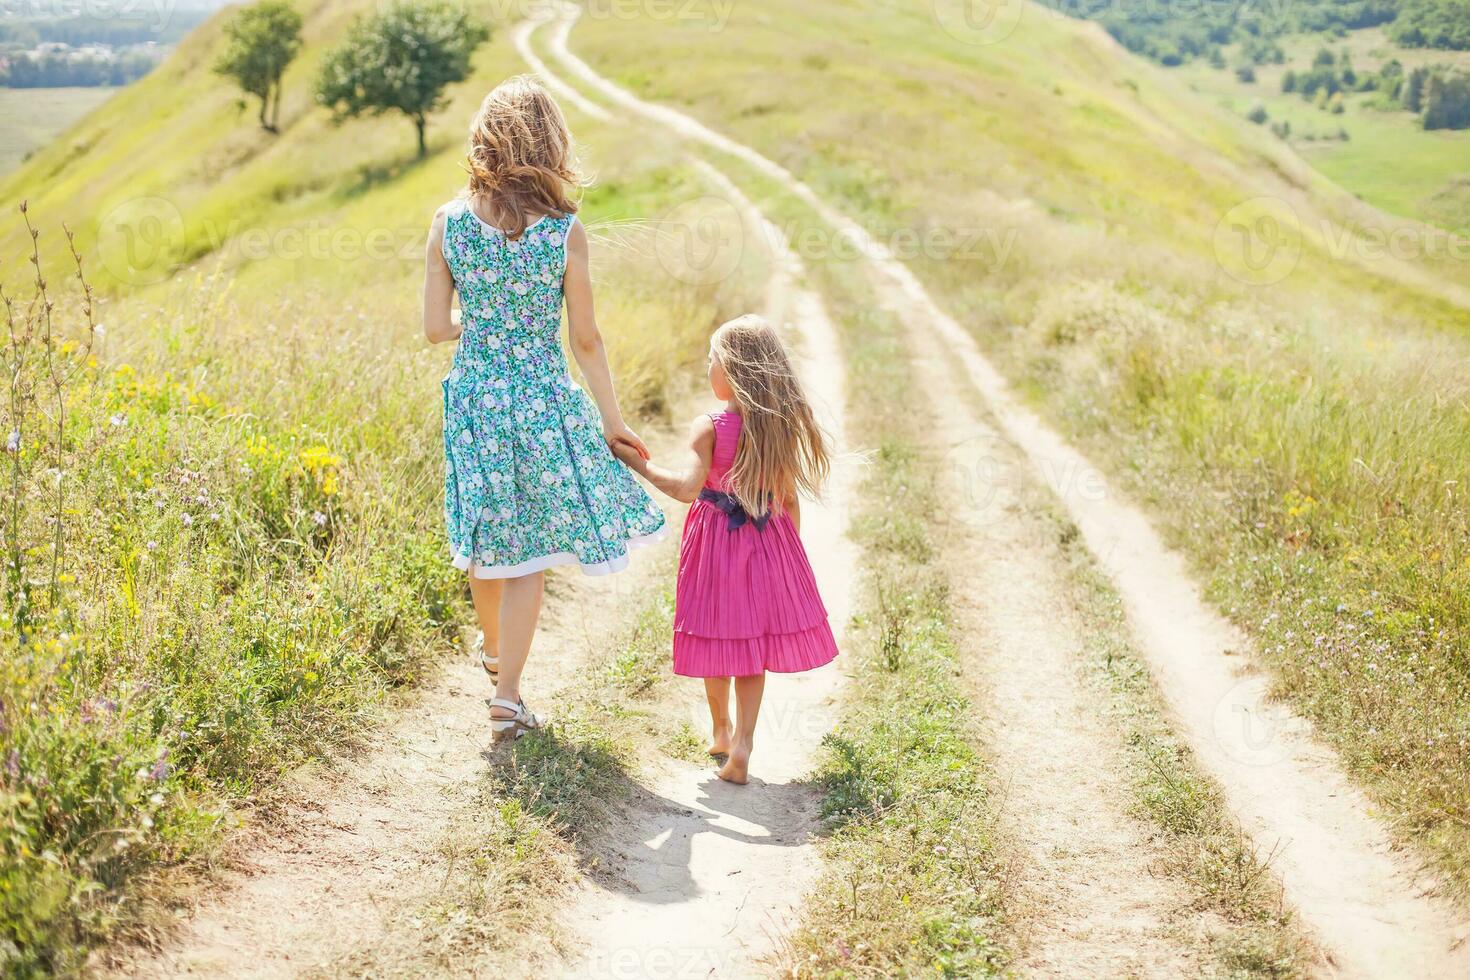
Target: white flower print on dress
[545,486]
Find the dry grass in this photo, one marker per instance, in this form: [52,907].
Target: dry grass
[1303,440]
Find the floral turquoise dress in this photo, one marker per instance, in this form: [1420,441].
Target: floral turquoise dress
[529,482]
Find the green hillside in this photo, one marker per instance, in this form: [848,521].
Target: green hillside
[1044,110]
[1374,148]
[178,144]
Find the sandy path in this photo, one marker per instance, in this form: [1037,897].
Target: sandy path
[707,876]
[321,881]
[1371,909]
[1088,899]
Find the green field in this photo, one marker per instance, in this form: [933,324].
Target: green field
[32,117]
[1388,159]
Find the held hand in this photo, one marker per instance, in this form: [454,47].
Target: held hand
[621,435]
[629,456]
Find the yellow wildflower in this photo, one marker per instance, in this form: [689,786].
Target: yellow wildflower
[318,459]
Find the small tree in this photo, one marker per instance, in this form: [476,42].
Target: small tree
[1414,89]
[401,60]
[1447,101]
[263,39]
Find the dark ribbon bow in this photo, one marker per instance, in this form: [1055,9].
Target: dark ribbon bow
[735,514]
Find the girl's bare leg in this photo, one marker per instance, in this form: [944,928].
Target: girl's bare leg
[520,608]
[717,693]
[485,592]
[748,692]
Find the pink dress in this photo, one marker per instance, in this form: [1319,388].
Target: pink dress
[746,601]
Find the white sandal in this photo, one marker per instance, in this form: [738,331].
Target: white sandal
[518,724]
[491,665]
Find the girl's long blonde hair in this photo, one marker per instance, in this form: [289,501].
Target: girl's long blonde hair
[782,451]
[521,154]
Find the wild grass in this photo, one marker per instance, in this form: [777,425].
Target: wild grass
[1310,466]
[255,564]
[1303,441]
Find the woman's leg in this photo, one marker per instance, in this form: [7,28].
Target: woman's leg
[485,592]
[717,693]
[748,691]
[520,609]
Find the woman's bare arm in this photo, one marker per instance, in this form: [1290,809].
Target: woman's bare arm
[586,342]
[682,484]
[439,321]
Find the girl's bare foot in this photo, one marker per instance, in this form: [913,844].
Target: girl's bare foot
[721,742]
[737,768]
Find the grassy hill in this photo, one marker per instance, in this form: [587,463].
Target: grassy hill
[1276,368]
[255,555]
[253,458]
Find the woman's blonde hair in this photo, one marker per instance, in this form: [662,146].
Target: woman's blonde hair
[521,154]
[782,450]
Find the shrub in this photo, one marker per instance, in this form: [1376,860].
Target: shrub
[1433,24]
[1447,101]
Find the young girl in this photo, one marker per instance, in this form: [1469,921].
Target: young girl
[746,601]
[529,479]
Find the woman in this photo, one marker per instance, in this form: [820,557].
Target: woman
[530,481]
